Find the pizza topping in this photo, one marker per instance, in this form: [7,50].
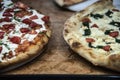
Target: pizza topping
[106,48]
[17,19]
[87,32]
[117,40]
[27,21]
[108,13]
[9,26]
[6,19]
[0,49]
[7,14]
[115,23]
[2,35]
[86,20]
[22,13]
[46,19]
[33,25]
[34,17]
[116,10]
[24,30]
[15,40]
[90,40]
[96,16]
[32,32]
[9,10]
[114,34]
[10,55]
[108,31]
[94,26]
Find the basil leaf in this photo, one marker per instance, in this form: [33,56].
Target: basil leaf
[7,46]
[86,24]
[17,19]
[10,4]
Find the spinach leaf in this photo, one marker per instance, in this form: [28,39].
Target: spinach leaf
[117,40]
[108,31]
[108,13]
[117,24]
[87,32]
[96,16]
[86,24]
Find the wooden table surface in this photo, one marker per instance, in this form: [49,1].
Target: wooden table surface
[58,58]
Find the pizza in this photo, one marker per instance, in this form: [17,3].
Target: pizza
[94,34]
[68,2]
[24,33]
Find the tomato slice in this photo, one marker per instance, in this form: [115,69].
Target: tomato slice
[90,40]
[9,10]
[106,48]
[15,39]
[1,49]
[2,35]
[24,30]
[94,26]
[7,19]
[9,26]
[114,34]
[46,19]
[27,21]
[86,20]
[34,17]
[7,14]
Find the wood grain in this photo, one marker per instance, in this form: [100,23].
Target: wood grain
[58,58]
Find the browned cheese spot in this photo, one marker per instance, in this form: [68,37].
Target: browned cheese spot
[76,44]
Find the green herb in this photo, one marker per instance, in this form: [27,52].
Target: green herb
[87,32]
[96,16]
[10,4]
[1,43]
[44,34]
[4,45]
[99,47]
[17,19]
[108,42]
[108,31]
[7,46]
[41,32]
[86,24]
[117,40]
[108,13]
[90,45]
[117,24]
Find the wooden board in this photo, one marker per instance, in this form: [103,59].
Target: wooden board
[58,58]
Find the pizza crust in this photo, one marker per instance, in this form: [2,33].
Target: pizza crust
[70,34]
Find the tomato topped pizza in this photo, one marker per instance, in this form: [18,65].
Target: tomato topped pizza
[23,32]
[95,34]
